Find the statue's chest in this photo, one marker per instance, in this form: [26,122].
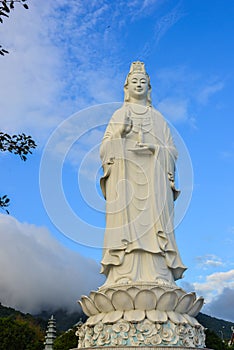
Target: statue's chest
[141,124]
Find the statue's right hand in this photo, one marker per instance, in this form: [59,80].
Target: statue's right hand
[126,127]
[123,129]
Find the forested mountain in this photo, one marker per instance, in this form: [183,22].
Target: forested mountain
[220,327]
[19,331]
[64,319]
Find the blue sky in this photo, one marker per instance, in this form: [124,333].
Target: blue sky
[66,57]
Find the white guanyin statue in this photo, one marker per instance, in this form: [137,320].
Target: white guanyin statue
[138,156]
[140,304]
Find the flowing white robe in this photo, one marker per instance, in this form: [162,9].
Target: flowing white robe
[139,243]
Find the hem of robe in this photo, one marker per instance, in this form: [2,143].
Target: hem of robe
[116,258]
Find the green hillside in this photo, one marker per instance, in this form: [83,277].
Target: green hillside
[220,327]
[19,331]
[10,312]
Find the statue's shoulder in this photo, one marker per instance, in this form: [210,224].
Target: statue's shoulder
[118,114]
[159,121]
[157,114]
[158,117]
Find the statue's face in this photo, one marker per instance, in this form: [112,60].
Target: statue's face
[138,86]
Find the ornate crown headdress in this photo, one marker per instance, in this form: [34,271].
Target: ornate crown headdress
[137,67]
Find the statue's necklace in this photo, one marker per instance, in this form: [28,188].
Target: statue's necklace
[145,110]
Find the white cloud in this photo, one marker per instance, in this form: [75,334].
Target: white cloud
[175,96]
[162,23]
[218,292]
[215,284]
[174,109]
[223,305]
[188,287]
[181,92]
[29,74]
[209,260]
[167,21]
[208,91]
[64,56]
[57,64]
[38,272]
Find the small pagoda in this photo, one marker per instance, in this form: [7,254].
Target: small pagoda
[50,334]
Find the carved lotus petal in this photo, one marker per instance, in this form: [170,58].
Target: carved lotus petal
[112,317]
[122,300]
[145,300]
[196,307]
[167,301]
[191,320]
[176,317]
[103,303]
[132,291]
[92,320]
[88,306]
[158,292]
[91,295]
[185,302]
[180,292]
[109,292]
[134,315]
[157,316]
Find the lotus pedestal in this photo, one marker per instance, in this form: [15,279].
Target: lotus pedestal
[141,315]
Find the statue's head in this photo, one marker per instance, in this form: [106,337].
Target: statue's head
[137,69]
